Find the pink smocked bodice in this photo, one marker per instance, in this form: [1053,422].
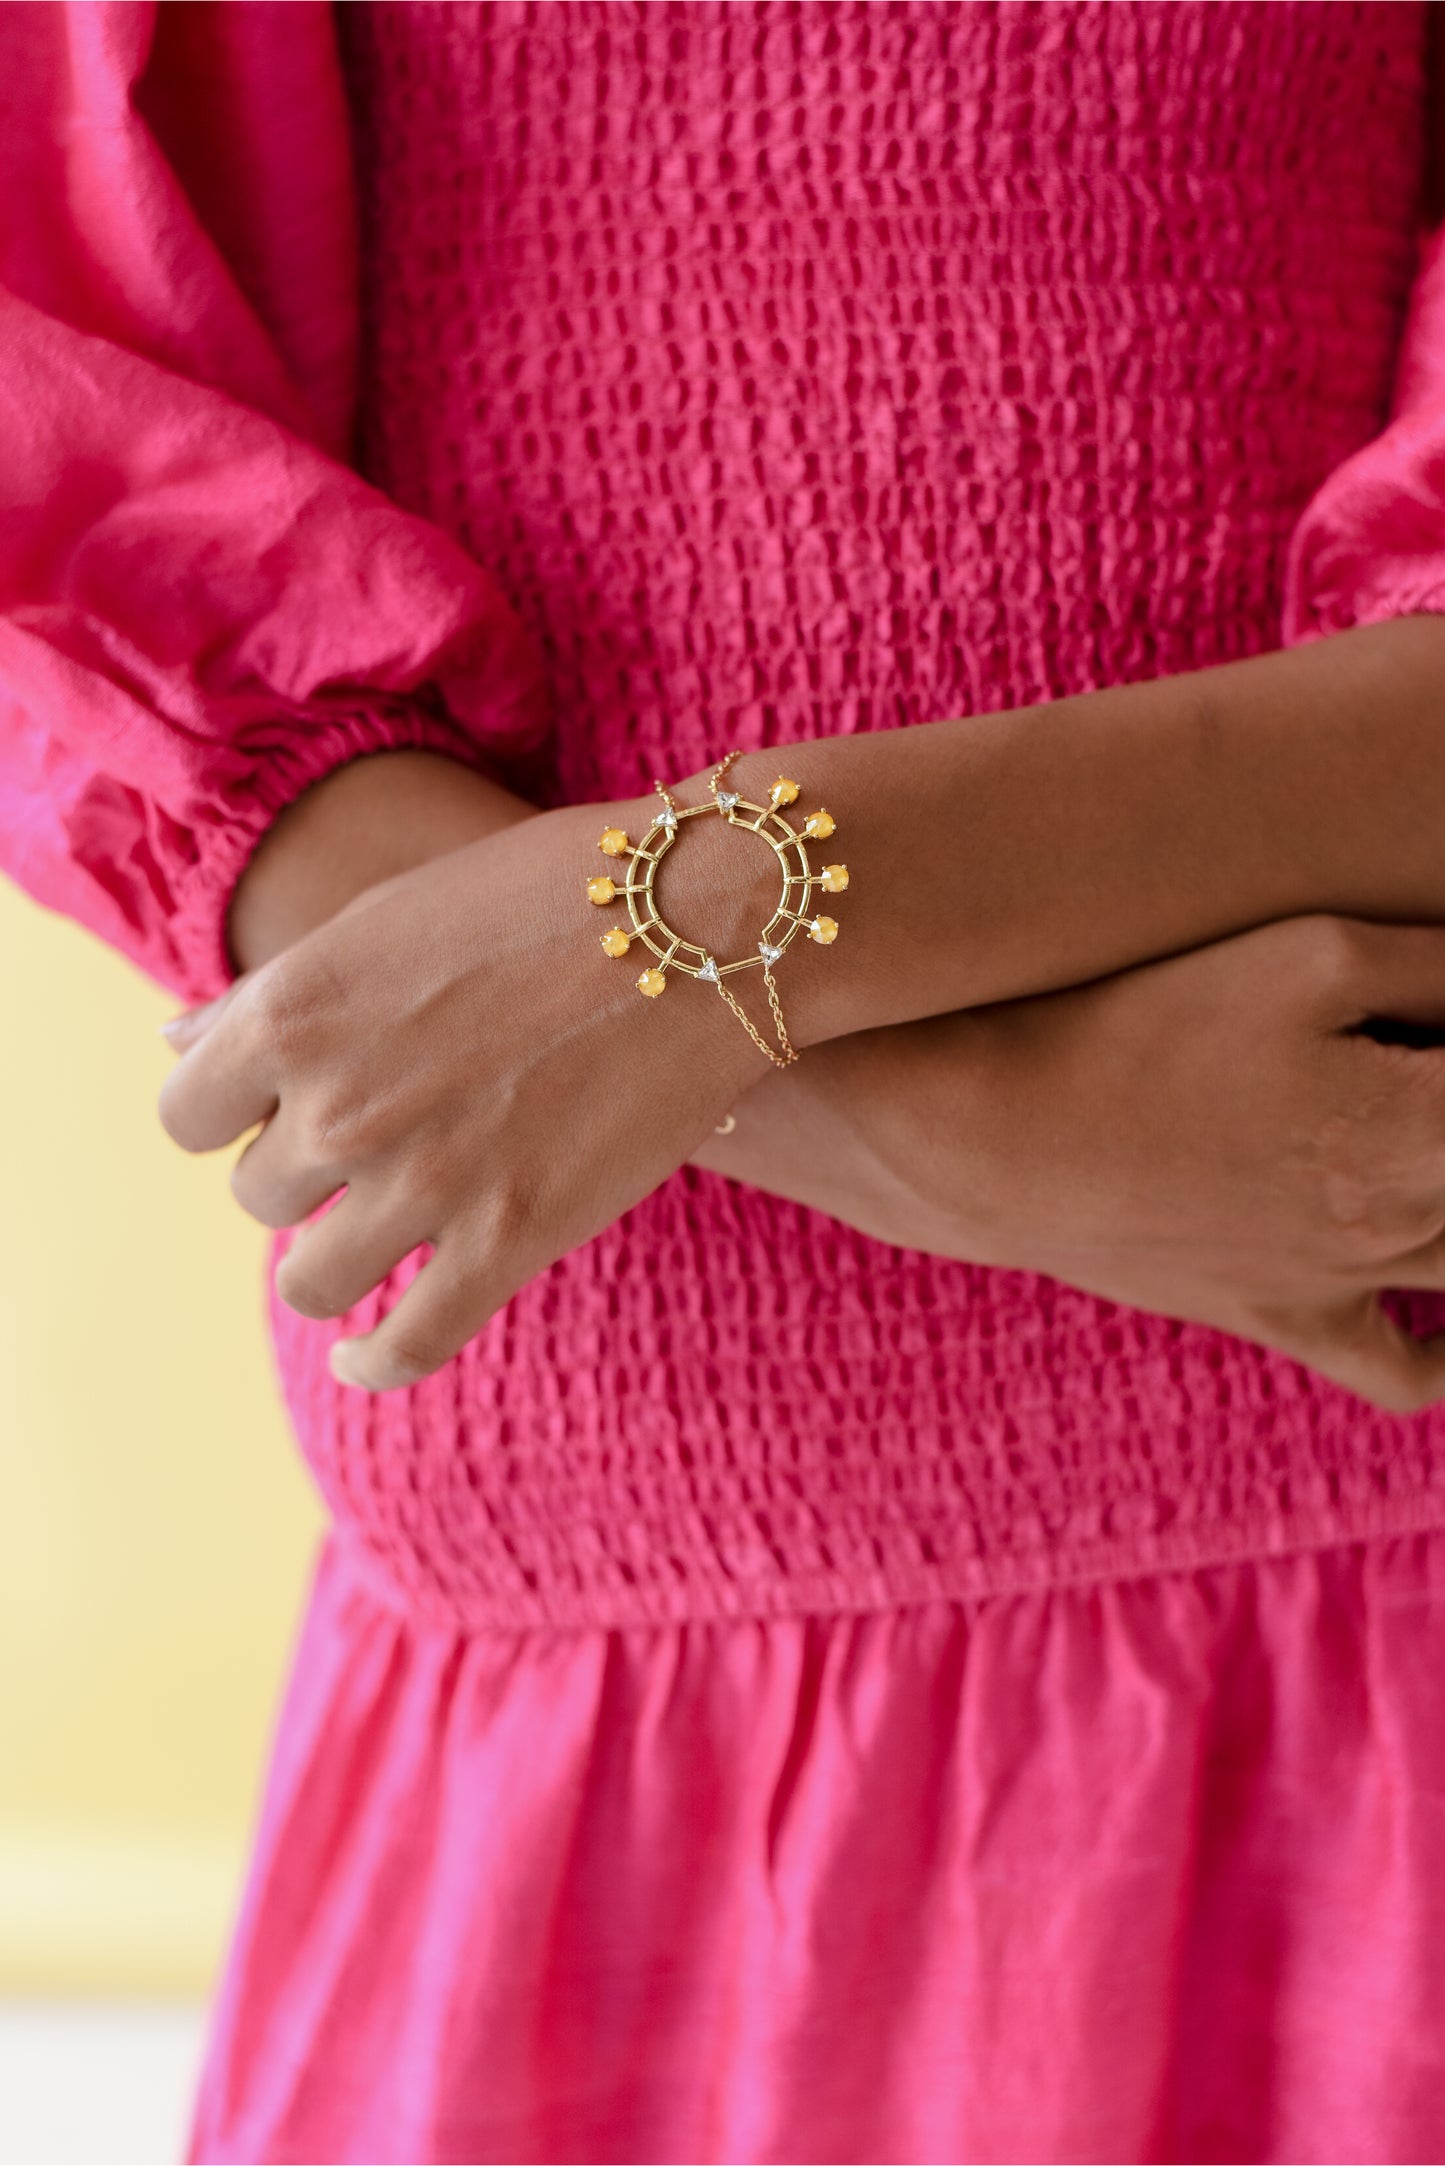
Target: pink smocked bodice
[806,369]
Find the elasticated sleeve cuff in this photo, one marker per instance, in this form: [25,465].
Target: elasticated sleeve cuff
[229,832]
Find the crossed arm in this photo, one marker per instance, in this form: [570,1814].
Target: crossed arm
[1201,1128]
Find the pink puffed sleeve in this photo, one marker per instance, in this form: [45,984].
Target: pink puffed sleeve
[203,609]
[1370,544]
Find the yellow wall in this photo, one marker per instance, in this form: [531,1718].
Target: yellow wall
[156,1529]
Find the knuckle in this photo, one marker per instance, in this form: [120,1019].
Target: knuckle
[1349,1196]
[1415,1218]
[510,1215]
[1356,1220]
[1364,1174]
[1379,1211]
[333,1130]
[269,997]
[407,1359]
[1334,949]
[250,1193]
[338,1122]
[433,1166]
[281,1006]
[425,1201]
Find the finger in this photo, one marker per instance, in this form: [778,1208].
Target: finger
[222,1085]
[445,1305]
[1421,1271]
[1398,970]
[345,1255]
[183,1030]
[1360,1347]
[275,1181]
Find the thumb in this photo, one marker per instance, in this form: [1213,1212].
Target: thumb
[185,1029]
[1356,1344]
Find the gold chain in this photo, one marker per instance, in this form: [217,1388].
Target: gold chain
[712,781]
[778,1017]
[788,1054]
[779,1060]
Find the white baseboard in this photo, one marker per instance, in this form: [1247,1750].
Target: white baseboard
[84,2083]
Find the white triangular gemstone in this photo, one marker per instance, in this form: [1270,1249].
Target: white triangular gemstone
[769,955]
[667,818]
[708,972]
[728,798]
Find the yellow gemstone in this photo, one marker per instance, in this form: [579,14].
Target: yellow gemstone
[824,931]
[782,792]
[600,890]
[819,825]
[614,841]
[615,942]
[652,982]
[835,878]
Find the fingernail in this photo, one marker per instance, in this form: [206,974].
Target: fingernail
[338,1362]
[174,1027]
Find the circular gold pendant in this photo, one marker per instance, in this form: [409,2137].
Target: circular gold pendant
[791,917]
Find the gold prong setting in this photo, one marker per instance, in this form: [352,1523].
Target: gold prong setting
[792,916]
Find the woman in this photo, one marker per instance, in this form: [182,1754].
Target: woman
[888,1608]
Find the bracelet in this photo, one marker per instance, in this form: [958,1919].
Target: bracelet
[675,953]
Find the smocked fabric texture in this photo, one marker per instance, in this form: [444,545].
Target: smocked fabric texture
[804,370]
[774,1696]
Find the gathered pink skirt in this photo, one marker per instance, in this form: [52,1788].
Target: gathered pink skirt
[1149,1869]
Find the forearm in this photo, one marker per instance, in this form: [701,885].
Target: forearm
[891,1131]
[1001,855]
[1016,853]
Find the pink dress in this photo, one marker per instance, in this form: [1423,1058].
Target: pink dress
[774,1696]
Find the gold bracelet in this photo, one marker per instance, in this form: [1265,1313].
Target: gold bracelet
[671,950]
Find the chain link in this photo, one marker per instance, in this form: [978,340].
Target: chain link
[721,769]
[712,781]
[788,1054]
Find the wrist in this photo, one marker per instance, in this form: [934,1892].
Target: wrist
[734,881]
[365,822]
[681,1044]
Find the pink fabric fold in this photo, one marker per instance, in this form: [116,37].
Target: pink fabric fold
[202,608]
[1148,1870]
[1370,544]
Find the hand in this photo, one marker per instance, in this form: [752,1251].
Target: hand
[365,821]
[1212,1138]
[453,1049]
